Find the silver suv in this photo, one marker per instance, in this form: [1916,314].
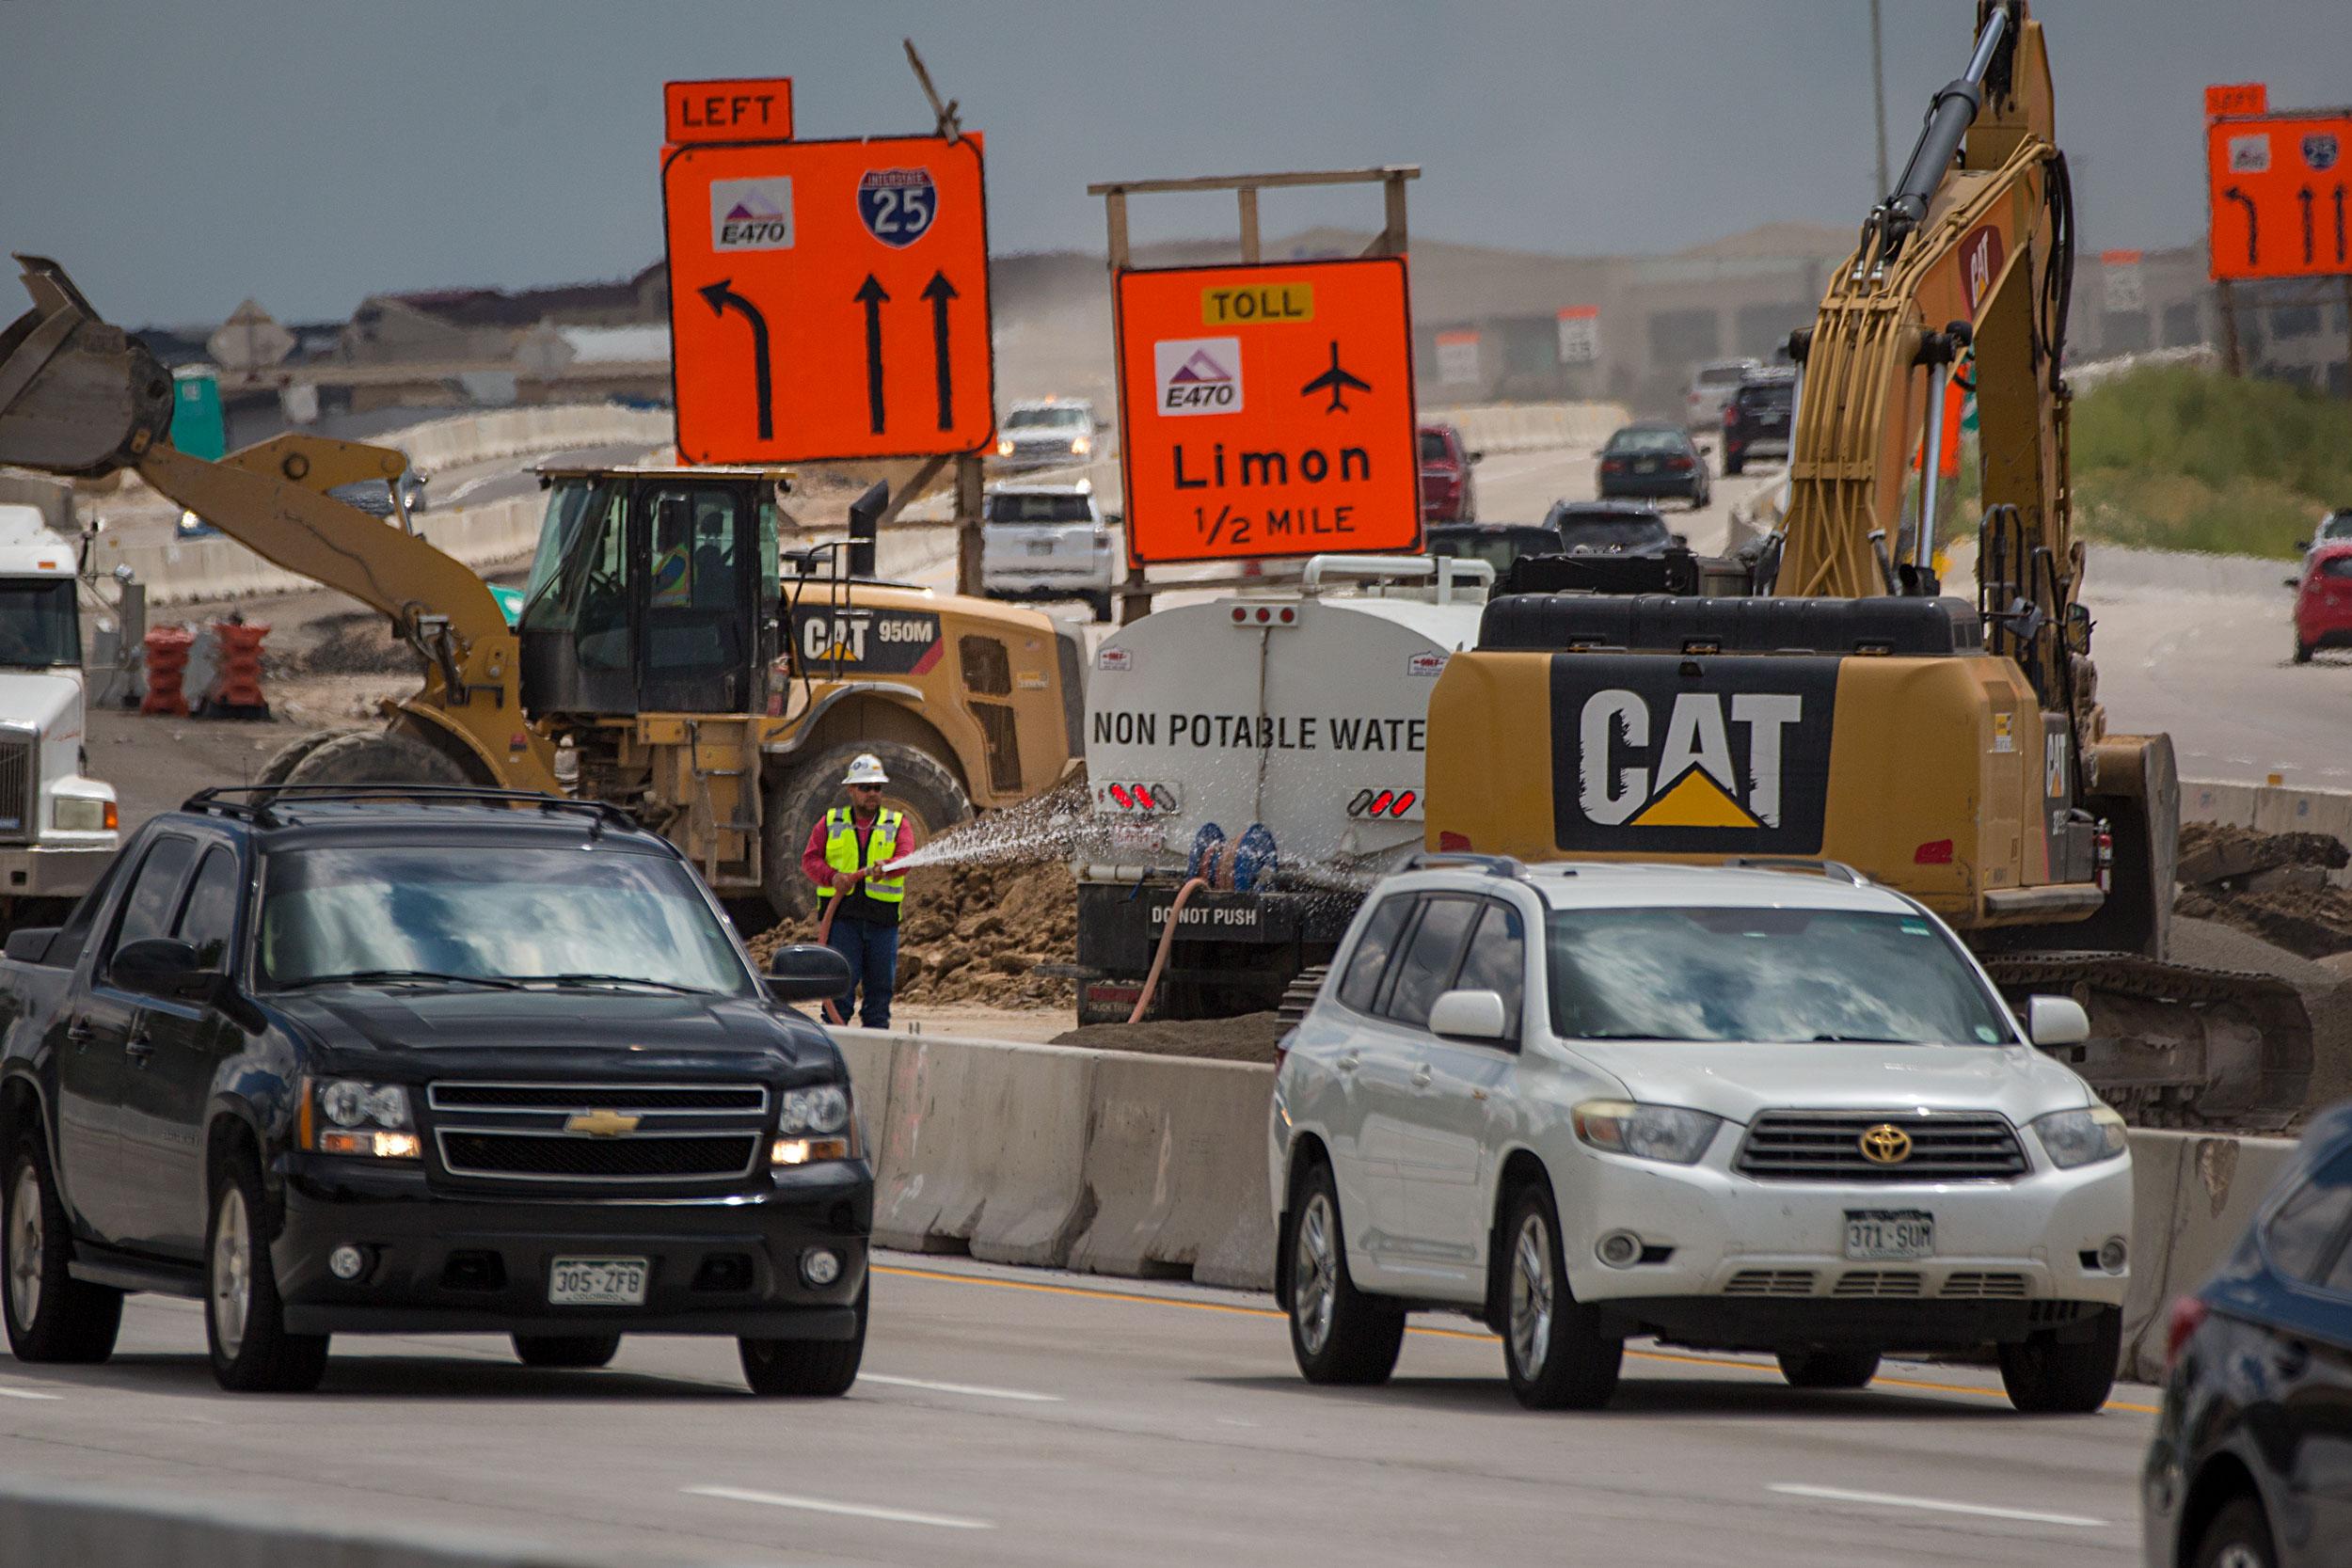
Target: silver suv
[1050,433]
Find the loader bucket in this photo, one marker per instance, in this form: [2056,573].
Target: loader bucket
[76,395]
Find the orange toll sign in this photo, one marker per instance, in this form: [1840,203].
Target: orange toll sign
[745,109]
[1268,410]
[829,299]
[2280,187]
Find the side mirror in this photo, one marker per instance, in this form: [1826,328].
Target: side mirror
[2056,1020]
[2303,543]
[29,944]
[1478,457]
[1470,1015]
[161,966]
[1682,541]
[804,972]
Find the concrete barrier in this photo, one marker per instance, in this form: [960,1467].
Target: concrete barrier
[1530,426]
[52,1524]
[982,1151]
[2194,1195]
[1176,1164]
[2269,808]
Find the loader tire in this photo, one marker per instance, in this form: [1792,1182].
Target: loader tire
[280,767]
[922,785]
[374,757]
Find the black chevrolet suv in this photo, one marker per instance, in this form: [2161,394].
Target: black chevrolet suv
[1758,416]
[417,1060]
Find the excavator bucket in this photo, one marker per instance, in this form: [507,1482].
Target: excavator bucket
[76,395]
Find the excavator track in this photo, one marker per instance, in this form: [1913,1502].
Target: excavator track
[2175,1046]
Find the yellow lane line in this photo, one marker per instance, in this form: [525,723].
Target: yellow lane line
[1434,1333]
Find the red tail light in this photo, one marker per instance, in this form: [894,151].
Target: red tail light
[1143,798]
[1731,416]
[2188,1315]
[1937,853]
[1612,465]
[1403,803]
[1380,802]
[1119,794]
[1679,464]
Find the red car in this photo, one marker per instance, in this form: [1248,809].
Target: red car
[2323,606]
[1446,493]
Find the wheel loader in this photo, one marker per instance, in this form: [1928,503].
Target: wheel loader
[1848,713]
[670,657]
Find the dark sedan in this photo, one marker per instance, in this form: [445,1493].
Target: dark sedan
[1653,460]
[1610,528]
[2252,1463]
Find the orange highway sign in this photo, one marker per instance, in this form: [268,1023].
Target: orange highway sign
[2280,187]
[1267,410]
[736,109]
[829,299]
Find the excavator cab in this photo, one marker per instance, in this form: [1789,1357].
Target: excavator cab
[654,591]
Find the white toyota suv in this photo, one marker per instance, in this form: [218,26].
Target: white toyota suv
[1048,541]
[1735,1108]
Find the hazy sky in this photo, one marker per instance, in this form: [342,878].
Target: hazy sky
[181,155]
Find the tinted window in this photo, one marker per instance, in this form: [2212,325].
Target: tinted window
[210,915]
[1765,975]
[2300,1236]
[1426,968]
[1615,533]
[1370,960]
[1720,376]
[38,622]
[148,910]
[1498,547]
[1433,448]
[1497,959]
[1640,441]
[1069,416]
[2339,566]
[1040,509]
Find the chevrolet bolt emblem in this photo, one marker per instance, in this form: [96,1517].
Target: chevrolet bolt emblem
[1886,1145]
[611,1124]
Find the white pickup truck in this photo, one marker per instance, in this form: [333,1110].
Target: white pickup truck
[57,825]
[1270,742]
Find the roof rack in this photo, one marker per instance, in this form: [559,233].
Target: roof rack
[1494,866]
[1801,863]
[257,802]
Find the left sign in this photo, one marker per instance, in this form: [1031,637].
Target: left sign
[734,109]
[829,299]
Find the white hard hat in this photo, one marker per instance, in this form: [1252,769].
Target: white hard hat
[866,769]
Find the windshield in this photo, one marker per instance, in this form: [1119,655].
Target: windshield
[1048,419]
[1433,449]
[1765,975]
[1612,534]
[1646,441]
[1039,509]
[567,504]
[521,914]
[1497,547]
[1720,376]
[39,624]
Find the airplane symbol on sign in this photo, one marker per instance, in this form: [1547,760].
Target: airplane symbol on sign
[1335,381]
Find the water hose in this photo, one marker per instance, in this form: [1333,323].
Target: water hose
[824,927]
[1159,960]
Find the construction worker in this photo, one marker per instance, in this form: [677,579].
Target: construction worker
[843,854]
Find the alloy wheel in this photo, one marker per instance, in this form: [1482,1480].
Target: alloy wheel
[25,1248]
[232,1273]
[1531,1296]
[1314,1274]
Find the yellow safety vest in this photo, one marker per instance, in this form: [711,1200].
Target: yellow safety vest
[841,852]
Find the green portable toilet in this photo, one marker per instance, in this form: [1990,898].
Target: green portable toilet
[197,426]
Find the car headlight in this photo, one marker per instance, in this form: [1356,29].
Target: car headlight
[2072,1138]
[1081,445]
[1666,1132]
[814,1125]
[344,1115]
[69,814]
[1004,447]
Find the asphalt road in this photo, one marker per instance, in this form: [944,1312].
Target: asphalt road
[1027,1417]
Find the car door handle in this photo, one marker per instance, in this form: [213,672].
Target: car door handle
[140,1045]
[1348,1062]
[80,1032]
[1422,1076]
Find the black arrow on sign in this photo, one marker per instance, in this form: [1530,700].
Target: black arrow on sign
[2304,196]
[2254,225]
[939,291]
[722,299]
[872,296]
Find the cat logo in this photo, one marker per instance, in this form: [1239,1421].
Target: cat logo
[1735,761]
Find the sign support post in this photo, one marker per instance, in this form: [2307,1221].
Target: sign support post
[1135,597]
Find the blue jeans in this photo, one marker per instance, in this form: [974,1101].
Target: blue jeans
[873,954]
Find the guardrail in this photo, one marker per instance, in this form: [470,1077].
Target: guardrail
[1112,1163]
[2269,808]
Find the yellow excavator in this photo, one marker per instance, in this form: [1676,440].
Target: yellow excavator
[1844,713]
[669,657]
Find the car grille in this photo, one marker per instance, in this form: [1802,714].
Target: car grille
[1877,1282]
[519,1132]
[1770,1282]
[1826,1146]
[19,786]
[1985,1286]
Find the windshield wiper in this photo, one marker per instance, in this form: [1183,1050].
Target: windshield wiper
[366,976]
[1620,1035]
[1861,1039]
[587,979]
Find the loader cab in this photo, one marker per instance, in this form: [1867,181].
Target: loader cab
[653,591]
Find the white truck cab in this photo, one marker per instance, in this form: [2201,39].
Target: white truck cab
[1270,743]
[57,825]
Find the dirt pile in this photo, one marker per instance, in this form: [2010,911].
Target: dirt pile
[2275,886]
[976,933]
[1250,1038]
